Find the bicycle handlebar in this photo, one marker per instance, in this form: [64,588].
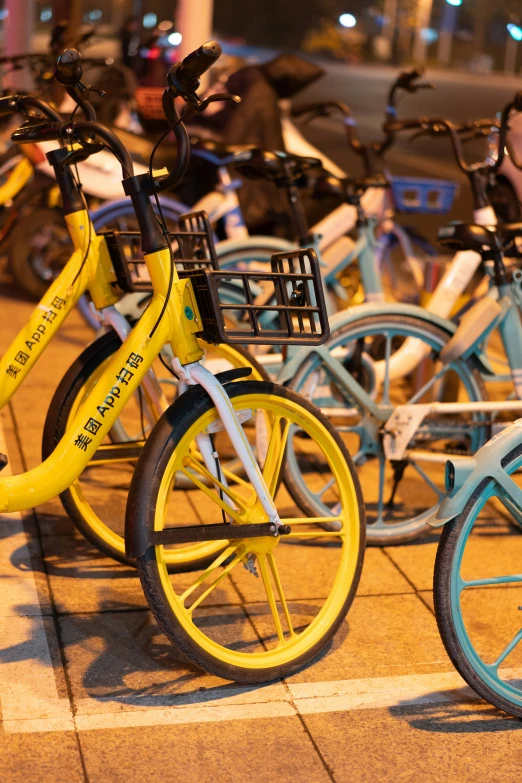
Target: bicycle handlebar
[183,80]
[184,77]
[438,125]
[19,104]
[76,131]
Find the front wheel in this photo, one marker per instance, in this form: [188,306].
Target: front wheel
[224,619]
[478,594]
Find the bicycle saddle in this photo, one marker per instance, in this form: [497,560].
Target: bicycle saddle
[278,167]
[216,153]
[347,189]
[468,236]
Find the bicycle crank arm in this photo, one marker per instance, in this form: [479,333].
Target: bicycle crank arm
[196,533]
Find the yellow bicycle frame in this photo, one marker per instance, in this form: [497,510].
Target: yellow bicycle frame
[18,178]
[123,374]
[89,268]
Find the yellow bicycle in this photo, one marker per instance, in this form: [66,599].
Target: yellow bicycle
[217,422]
[90,269]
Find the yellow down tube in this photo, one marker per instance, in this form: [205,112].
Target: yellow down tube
[18,178]
[113,390]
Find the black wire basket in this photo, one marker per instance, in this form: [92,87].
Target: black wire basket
[283,306]
[192,248]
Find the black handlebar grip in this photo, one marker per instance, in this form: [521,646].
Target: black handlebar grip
[68,69]
[49,131]
[184,77]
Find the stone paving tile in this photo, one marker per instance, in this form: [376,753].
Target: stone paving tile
[494,549]
[82,580]
[382,636]
[261,750]
[40,758]
[124,657]
[429,743]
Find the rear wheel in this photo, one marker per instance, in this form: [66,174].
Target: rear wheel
[96,501]
[401,495]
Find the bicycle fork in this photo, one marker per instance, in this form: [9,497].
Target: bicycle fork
[195,374]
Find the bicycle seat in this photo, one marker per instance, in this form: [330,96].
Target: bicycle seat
[468,236]
[348,189]
[274,166]
[216,153]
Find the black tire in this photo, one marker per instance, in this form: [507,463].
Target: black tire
[21,254]
[442,596]
[141,506]
[63,402]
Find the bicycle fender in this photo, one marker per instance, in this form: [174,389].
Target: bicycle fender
[250,244]
[352,314]
[98,215]
[467,473]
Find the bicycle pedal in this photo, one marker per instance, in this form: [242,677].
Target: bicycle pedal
[4,461]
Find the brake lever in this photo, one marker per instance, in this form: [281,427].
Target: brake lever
[85,151]
[196,106]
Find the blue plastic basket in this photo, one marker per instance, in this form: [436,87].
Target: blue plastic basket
[423,196]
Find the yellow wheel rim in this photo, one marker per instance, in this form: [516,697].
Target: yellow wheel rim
[181,557]
[288,417]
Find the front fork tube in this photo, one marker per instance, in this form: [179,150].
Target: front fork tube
[195,373]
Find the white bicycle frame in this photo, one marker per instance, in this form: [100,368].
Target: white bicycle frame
[450,288]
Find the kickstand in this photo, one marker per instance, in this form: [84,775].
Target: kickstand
[399,466]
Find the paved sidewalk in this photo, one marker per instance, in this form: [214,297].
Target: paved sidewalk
[90,690]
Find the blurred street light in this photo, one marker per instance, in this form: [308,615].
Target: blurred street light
[422,22]
[175,39]
[347,20]
[447,29]
[515,35]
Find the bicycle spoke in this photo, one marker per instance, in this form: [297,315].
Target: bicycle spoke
[265,576]
[202,469]
[279,586]
[232,512]
[491,580]
[275,453]
[386,385]
[326,487]
[433,380]
[311,520]
[509,649]
[380,500]
[225,572]
[439,492]
[315,534]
